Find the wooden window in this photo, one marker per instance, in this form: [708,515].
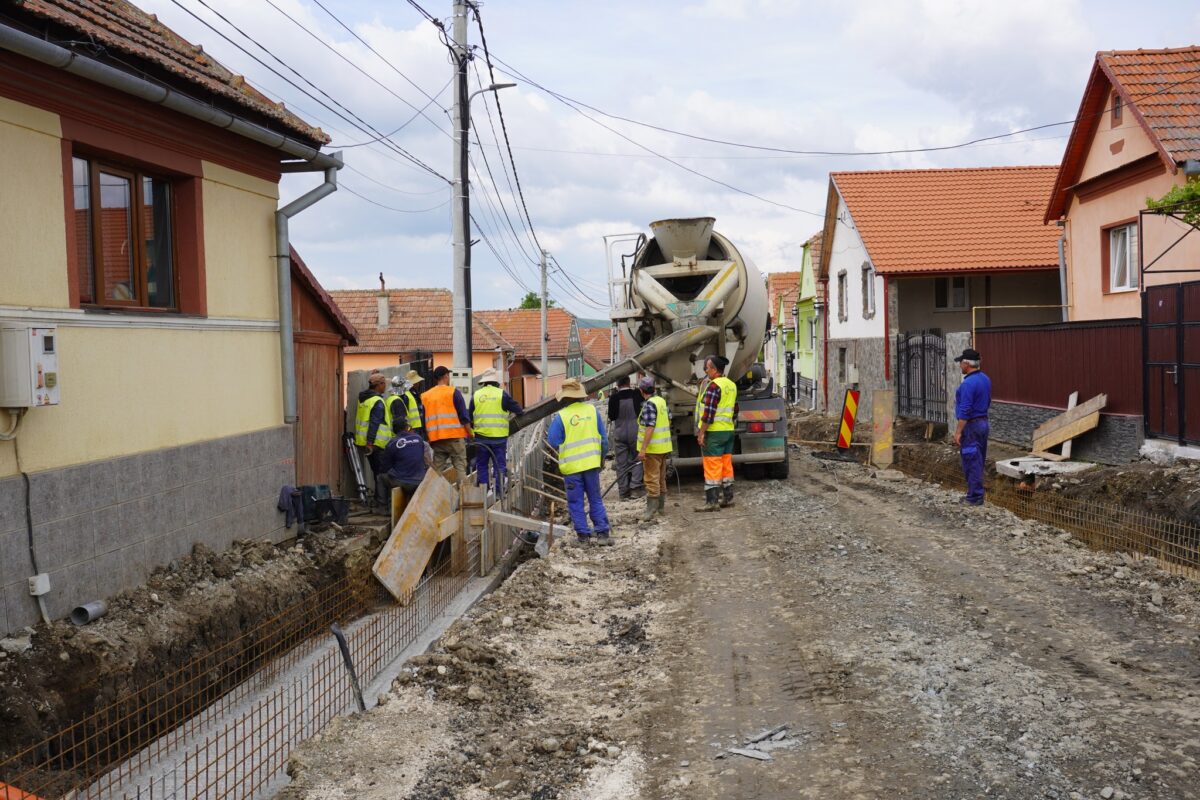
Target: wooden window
[1117,109]
[843,306]
[868,290]
[950,294]
[124,236]
[1119,245]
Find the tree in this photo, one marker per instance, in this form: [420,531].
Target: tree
[532,300]
[1183,201]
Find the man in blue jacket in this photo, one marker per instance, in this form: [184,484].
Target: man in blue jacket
[578,436]
[972,400]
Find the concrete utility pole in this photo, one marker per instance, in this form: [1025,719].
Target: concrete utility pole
[545,365]
[462,227]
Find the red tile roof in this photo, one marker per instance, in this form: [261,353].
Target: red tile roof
[523,327]
[1162,90]
[950,220]
[787,286]
[814,250]
[597,346]
[418,319]
[125,29]
[301,273]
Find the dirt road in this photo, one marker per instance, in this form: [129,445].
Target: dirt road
[911,647]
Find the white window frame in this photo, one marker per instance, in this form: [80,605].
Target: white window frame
[868,289]
[950,305]
[1131,270]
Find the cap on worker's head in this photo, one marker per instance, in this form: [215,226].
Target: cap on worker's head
[489,376]
[571,389]
[413,377]
[970,354]
[646,384]
[440,373]
[376,379]
[397,381]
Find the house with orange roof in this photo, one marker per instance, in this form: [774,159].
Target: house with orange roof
[782,292]
[928,254]
[144,292]
[397,326]
[565,356]
[1136,137]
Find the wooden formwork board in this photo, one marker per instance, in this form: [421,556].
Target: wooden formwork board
[424,523]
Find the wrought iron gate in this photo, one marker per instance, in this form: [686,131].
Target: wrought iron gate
[921,376]
[1171,361]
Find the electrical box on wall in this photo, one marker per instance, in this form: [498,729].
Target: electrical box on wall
[28,366]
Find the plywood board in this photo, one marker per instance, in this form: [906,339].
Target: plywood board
[1072,401]
[882,403]
[1068,417]
[1076,427]
[407,550]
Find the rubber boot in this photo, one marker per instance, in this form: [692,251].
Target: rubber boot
[710,500]
[727,495]
[662,503]
[651,509]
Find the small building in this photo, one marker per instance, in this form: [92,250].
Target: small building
[779,348]
[915,259]
[143,236]
[396,326]
[808,327]
[522,327]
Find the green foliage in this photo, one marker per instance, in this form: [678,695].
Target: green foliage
[1183,201]
[532,300]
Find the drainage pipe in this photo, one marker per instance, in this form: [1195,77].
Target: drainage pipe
[61,58]
[283,251]
[89,612]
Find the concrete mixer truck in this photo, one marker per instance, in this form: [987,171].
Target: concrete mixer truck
[688,293]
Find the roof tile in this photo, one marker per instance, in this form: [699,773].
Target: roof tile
[523,328]
[952,220]
[418,319]
[1164,86]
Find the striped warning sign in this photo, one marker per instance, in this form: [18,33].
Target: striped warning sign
[849,414]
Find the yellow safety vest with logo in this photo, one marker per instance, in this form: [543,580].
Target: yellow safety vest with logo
[580,449]
[362,424]
[660,434]
[490,419]
[414,413]
[723,419]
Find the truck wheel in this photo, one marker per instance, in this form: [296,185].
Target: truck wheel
[779,469]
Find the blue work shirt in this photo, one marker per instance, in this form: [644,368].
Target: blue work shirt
[558,434]
[973,397]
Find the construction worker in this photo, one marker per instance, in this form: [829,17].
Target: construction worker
[402,402]
[447,423]
[372,428]
[654,446]
[972,400]
[489,409]
[578,434]
[624,406]
[716,410]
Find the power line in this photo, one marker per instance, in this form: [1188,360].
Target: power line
[939,148]
[406,123]
[487,57]
[361,124]
[393,208]
[389,186]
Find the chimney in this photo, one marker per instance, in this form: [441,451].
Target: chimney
[382,301]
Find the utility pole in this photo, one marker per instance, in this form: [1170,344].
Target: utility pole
[545,366]
[462,219]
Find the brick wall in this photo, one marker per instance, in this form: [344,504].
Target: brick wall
[102,527]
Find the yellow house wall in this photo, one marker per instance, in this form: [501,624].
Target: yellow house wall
[32,263]
[136,388]
[239,242]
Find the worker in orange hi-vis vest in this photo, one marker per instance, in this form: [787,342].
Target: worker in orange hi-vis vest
[447,423]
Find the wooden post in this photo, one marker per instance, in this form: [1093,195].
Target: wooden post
[881,427]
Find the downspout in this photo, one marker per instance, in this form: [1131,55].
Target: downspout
[283,259]
[1062,269]
[825,343]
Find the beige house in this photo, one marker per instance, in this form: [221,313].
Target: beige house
[140,238]
[1137,135]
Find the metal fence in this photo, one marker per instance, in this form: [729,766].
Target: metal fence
[225,724]
[1103,526]
[921,376]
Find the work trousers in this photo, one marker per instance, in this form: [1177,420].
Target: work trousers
[581,485]
[717,456]
[375,460]
[973,451]
[450,452]
[656,474]
[493,453]
[629,469]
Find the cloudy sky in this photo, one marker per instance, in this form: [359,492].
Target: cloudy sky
[869,76]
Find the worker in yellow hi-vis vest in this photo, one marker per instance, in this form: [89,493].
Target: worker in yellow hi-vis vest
[372,427]
[716,411]
[578,434]
[654,446]
[489,409]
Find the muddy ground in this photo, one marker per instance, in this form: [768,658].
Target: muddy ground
[887,641]
[54,676]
